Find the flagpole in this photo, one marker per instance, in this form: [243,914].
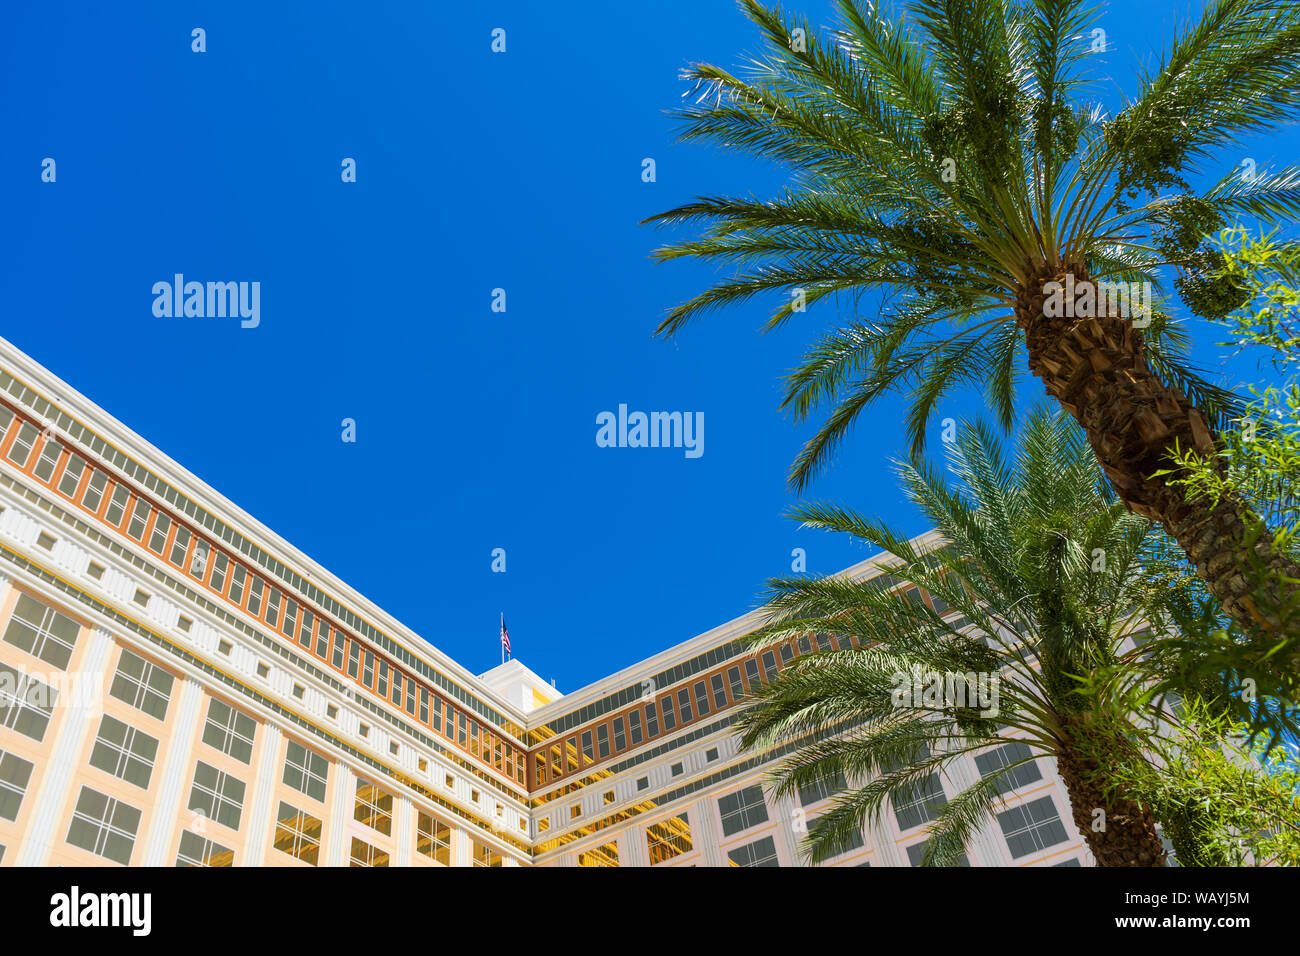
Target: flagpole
[503,643]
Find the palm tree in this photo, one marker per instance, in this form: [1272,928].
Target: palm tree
[1040,583]
[949,160]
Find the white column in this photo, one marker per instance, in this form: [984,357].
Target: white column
[335,834]
[705,834]
[788,839]
[460,854]
[268,772]
[187,695]
[82,718]
[404,820]
[632,850]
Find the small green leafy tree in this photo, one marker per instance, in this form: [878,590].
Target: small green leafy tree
[1222,800]
[1257,455]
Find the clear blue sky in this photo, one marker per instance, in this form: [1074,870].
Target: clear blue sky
[476,430]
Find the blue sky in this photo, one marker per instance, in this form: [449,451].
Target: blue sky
[475,171]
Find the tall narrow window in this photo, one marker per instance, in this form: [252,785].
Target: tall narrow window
[22,446]
[49,459]
[94,492]
[255,587]
[219,565]
[117,505]
[237,585]
[180,546]
[158,539]
[71,479]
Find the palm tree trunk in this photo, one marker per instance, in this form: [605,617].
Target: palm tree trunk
[1096,368]
[1126,834]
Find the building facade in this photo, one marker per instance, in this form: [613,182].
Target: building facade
[180,686]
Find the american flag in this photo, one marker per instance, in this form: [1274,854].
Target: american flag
[505,635]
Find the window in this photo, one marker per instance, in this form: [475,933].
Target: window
[237,575]
[604,855]
[634,726]
[571,751]
[331,711]
[71,476]
[921,804]
[737,688]
[684,703]
[199,563]
[219,565]
[787,653]
[642,783]
[322,640]
[117,505]
[759,853]
[94,493]
[410,705]
[651,720]
[290,625]
[104,826]
[916,852]
[363,854]
[197,851]
[587,750]
[217,795]
[125,752]
[22,446]
[255,597]
[144,686]
[15,774]
[368,672]
[26,704]
[670,716]
[1031,827]
[230,731]
[354,658]
[42,632]
[711,754]
[819,790]
[305,770]
[180,546]
[424,705]
[158,539]
[374,807]
[338,650]
[273,607]
[433,839]
[184,623]
[676,769]
[742,810]
[139,520]
[49,458]
[751,675]
[853,841]
[96,571]
[769,665]
[991,761]
[392,747]
[142,598]
[45,541]
[225,647]
[1073,861]
[297,834]
[719,692]
[668,838]
[481,855]
[620,735]
[701,699]
[263,670]
[298,691]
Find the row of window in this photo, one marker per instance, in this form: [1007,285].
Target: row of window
[113,503]
[712,693]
